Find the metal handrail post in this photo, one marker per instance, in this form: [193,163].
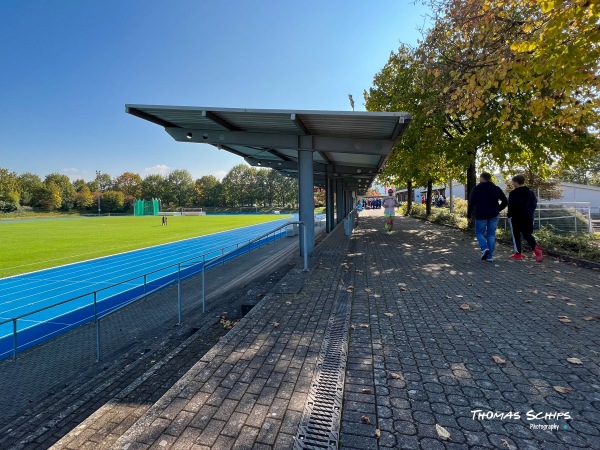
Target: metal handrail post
[590,228]
[179,293]
[203,284]
[97,326]
[14,339]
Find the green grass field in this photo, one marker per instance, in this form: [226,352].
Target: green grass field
[26,246]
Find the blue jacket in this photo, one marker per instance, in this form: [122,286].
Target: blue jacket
[487,200]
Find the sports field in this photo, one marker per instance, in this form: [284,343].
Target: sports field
[27,246]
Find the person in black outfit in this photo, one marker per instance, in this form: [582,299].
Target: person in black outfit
[487,200]
[521,205]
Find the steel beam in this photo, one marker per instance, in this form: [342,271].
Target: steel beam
[289,141]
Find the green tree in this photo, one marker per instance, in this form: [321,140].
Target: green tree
[10,190]
[67,191]
[180,188]
[239,186]
[79,183]
[29,183]
[49,196]
[207,191]
[153,186]
[523,75]
[105,182]
[112,201]
[83,198]
[129,183]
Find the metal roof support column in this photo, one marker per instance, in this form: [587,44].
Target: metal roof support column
[306,199]
[348,197]
[329,211]
[339,200]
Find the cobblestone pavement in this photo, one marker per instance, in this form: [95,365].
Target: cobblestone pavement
[418,359]
[440,343]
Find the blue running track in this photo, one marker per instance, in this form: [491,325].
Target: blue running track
[117,280]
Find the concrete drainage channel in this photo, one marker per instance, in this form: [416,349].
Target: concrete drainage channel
[320,424]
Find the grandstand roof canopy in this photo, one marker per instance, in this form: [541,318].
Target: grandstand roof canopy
[353,144]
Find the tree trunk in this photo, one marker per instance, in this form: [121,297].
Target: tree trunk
[471,176]
[428,203]
[409,194]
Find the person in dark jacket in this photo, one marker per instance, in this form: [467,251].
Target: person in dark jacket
[486,200]
[521,205]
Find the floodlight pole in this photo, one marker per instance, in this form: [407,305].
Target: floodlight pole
[98,186]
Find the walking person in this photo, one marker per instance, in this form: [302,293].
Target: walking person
[390,204]
[521,206]
[486,200]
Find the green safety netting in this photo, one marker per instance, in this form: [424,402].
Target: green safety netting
[146,208]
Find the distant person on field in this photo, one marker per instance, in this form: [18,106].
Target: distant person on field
[486,200]
[164,221]
[522,203]
[390,204]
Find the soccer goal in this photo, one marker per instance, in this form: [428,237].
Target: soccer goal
[193,212]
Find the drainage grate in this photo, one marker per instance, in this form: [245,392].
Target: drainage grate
[320,425]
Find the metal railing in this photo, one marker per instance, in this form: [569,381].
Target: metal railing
[147,287]
[563,217]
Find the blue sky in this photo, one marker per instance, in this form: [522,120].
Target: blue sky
[69,67]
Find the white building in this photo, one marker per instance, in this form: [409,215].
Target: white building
[571,192]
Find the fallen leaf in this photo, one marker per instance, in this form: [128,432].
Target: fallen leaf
[519,291]
[505,443]
[527,301]
[395,376]
[276,324]
[551,296]
[478,295]
[377,433]
[443,434]
[366,391]
[447,296]
[487,281]
[367,289]
[562,389]
[565,320]
[574,360]
[364,325]
[389,314]
[353,327]
[288,303]
[571,304]
[588,318]
[498,360]
[365,419]
[535,291]
[459,296]
[466,307]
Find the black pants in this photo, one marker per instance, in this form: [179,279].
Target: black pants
[525,227]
